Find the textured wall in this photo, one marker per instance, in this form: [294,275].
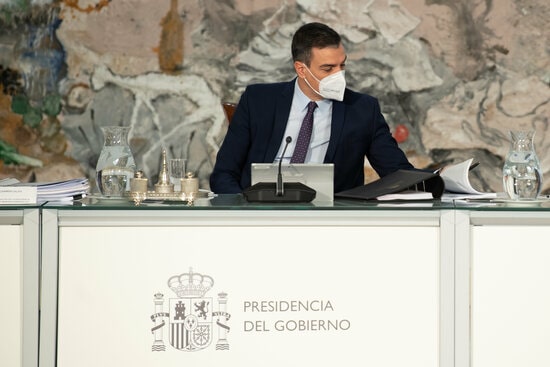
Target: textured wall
[457,74]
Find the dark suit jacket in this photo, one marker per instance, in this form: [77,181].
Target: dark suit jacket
[256,132]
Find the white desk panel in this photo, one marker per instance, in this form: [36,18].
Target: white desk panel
[288,289]
[353,293]
[510,296]
[11,316]
[19,287]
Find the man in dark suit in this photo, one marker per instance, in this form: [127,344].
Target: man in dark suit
[347,126]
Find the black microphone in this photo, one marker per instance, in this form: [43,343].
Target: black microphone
[280,189]
[280,192]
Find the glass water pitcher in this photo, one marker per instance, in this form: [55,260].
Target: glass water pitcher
[521,174]
[116,164]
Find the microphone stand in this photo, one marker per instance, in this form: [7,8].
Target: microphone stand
[279,187]
[279,192]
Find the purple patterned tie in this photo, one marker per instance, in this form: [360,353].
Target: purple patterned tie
[302,144]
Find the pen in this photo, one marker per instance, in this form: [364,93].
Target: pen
[472,166]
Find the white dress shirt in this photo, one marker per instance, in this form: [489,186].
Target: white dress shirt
[320,136]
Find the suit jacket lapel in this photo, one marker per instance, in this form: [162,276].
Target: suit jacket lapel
[282,111]
[337,124]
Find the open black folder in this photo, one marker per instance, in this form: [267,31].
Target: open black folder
[395,182]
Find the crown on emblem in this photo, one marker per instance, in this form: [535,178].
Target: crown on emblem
[190,284]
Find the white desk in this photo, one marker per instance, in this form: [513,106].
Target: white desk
[387,286]
[294,287]
[19,279]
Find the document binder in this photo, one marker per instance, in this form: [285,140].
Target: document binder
[395,182]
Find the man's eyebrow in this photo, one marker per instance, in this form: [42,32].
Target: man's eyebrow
[333,65]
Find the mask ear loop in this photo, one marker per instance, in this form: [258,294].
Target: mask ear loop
[309,85]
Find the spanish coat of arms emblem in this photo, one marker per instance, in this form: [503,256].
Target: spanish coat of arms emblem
[191,319]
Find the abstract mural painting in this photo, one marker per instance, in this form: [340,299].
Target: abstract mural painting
[453,76]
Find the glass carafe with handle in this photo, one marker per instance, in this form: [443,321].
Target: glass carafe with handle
[521,174]
[115,166]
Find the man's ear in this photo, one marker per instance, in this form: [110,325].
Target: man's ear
[300,69]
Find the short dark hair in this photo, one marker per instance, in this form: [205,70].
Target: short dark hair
[312,35]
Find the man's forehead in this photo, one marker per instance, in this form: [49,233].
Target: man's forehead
[327,48]
[329,54]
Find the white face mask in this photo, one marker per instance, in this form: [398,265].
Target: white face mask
[330,87]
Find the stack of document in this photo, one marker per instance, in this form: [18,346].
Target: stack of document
[457,182]
[14,192]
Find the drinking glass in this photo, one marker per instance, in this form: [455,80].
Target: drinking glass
[176,168]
